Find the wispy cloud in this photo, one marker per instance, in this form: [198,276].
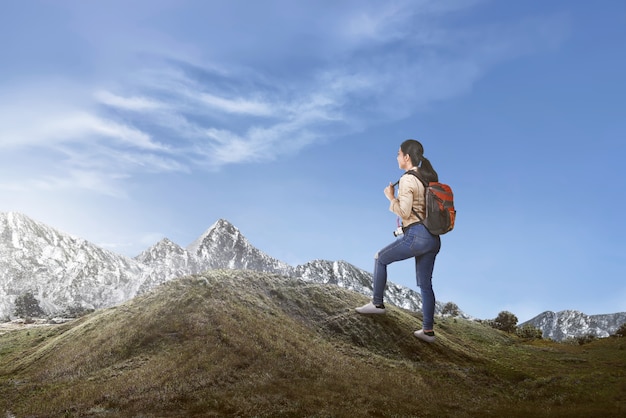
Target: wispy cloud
[55,123]
[55,146]
[236,105]
[66,180]
[139,104]
[178,113]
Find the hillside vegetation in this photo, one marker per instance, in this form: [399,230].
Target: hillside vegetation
[243,343]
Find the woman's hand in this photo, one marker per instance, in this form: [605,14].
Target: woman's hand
[390,192]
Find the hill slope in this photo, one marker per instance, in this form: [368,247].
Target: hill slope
[243,343]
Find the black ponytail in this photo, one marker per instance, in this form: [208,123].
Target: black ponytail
[427,170]
[415,151]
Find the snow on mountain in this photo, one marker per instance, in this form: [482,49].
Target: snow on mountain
[167,254]
[61,271]
[164,261]
[223,246]
[570,324]
[336,272]
[64,272]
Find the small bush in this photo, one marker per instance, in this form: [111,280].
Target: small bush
[529,332]
[451,309]
[27,306]
[585,339]
[579,340]
[505,321]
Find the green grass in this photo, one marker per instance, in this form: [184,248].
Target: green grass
[241,343]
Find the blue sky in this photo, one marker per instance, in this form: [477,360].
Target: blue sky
[126,122]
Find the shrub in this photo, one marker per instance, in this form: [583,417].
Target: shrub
[529,332]
[584,339]
[580,340]
[451,309]
[505,321]
[621,331]
[27,306]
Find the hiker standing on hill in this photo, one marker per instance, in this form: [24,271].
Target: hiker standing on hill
[415,240]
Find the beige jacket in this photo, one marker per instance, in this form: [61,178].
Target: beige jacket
[410,196]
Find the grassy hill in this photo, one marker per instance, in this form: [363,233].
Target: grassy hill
[242,343]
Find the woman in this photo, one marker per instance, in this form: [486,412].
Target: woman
[415,241]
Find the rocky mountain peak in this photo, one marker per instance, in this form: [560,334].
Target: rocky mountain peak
[224,246]
[160,250]
[571,323]
[18,232]
[221,233]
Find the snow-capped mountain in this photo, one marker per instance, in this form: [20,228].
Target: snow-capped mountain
[63,272]
[163,261]
[223,246]
[571,324]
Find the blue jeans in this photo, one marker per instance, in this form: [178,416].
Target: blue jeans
[415,242]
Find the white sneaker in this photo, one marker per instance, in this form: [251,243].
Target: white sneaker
[370,308]
[428,338]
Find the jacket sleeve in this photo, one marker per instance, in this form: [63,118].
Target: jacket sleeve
[403,204]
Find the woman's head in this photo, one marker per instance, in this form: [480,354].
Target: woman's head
[415,151]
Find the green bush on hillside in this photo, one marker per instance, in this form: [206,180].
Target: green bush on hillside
[27,306]
[505,321]
[580,340]
[584,339]
[529,332]
[451,309]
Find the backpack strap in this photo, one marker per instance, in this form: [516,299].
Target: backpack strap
[424,183]
[418,176]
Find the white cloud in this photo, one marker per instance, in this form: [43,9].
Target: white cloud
[236,105]
[138,104]
[53,146]
[226,147]
[67,180]
[83,125]
[55,123]
[394,57]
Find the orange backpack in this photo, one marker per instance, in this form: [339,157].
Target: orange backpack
[440,212]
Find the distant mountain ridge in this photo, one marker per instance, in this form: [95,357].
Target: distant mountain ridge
[64,272]
[571,324]
[60,270]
